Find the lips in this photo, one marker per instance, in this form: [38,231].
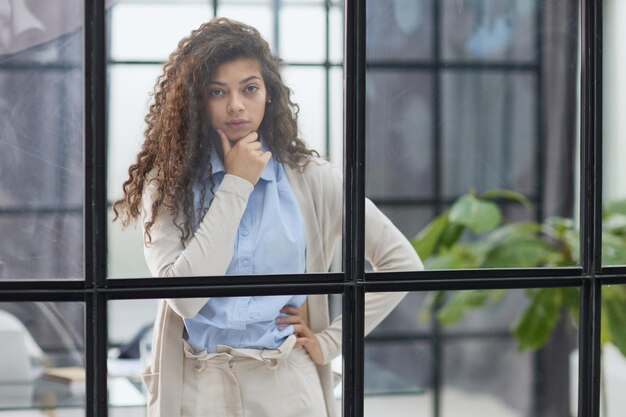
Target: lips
[237,123]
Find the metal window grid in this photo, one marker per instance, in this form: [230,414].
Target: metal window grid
[96,289]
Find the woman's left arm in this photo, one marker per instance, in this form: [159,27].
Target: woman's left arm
[386,249]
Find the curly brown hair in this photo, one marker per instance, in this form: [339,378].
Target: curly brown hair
[176,150]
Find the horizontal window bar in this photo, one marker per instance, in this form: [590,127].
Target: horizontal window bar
[42,285]
[475,274]
[473,284]
[224,281]
[43,295]
[224,291]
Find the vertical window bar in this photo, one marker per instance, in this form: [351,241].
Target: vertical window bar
[591,207]
[354,206]
[539,110]
[327,67]
[591,137]
[95,207]
[90,393]
[589,348]
[437,125]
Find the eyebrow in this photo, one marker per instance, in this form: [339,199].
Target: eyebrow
[245,80]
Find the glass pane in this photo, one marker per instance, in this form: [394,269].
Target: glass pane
[335,151]
[492,30]
[489,147]
[472,353]
[398,134]
[309,93]
[399,30]
[479,110]
[303,19]
[613,144]
[142,32]
[233,355]
[336,34]
[41,144]
[613,364]
[42,365]
[260,17]
[270,228]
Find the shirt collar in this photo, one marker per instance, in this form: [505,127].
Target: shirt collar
[269,173]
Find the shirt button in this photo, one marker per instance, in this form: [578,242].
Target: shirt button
[244,232]
[245,262]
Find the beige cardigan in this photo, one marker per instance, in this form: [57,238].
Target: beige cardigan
[319,191]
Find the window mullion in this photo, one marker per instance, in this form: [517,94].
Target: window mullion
[95,209]
[354,207]
[591,208]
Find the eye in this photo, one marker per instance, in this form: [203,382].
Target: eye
[216,92]
[251,89]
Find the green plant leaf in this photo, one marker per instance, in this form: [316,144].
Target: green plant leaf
[514,247]
[615,224]
[534,326]
[426,241]
[451,234]
[615,316]
[479,215]
[571,299]
[434,298]
[614,207]
[455,259]
[613,249]
[460,303]
[504,194]
[605,331]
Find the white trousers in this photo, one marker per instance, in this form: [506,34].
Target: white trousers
[251,383]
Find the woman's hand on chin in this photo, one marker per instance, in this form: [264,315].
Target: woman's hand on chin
[245,158]
[305,336]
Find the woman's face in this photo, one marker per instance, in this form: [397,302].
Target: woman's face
[237,98]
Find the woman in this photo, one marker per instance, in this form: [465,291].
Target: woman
[224,186]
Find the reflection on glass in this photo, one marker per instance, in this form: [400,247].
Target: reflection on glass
[480,130]
[41,140]
[613,144]
[613,365]
[42,359]
[316,120]
[227,354]
[474,353]
[399,30]
[489,30]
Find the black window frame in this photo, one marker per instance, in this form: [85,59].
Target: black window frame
[96,289]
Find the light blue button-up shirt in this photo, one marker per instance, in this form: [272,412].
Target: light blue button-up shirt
[270,240]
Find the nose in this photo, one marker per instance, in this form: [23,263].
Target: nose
[235,104]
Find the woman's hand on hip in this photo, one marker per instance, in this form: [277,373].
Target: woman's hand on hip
[305,336]
[245,158]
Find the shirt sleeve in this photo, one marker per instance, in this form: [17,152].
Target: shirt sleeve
[386,249]
[208,251]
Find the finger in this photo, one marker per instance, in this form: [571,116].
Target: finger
[301,341]
[289,320]
[265,157]
[255,145]
[226,147]
[301,330]
[290,310]
[249,138]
